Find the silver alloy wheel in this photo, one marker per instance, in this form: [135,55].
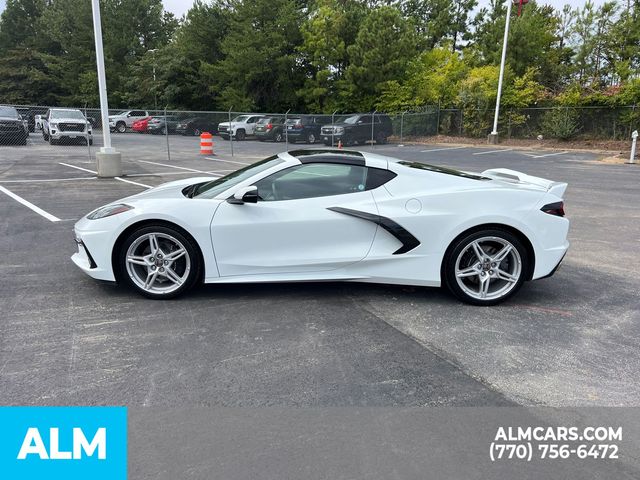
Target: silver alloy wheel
[121,127]
[488,268]
[158,263]
[311,138]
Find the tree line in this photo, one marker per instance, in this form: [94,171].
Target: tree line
[320,55]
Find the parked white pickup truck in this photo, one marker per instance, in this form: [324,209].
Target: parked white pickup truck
[123,120]
[240,127]
[66,123]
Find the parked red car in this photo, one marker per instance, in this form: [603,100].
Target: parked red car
[140,126]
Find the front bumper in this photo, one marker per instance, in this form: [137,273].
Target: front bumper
[57,134]
[90,257]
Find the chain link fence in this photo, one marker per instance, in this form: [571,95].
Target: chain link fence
[174,134]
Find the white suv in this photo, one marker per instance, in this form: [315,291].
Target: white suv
[66,123]
[240,127]
[123,120]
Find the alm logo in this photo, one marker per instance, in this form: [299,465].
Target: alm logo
[34,445]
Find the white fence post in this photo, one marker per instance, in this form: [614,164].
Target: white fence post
[634,136]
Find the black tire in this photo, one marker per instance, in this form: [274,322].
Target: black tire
[52,141]
[241,135]
[491,242]
[278,137]
[45,136]
[311,138]
[196,132]
[121,127]
[193,256]
[381,139]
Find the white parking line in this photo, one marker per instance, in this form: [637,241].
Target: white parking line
[441,149]
[38,210]
[173,166]
[39,180]
[117,178]
[78,168]
[494,151]
[228,161]
[550,154]
[132,183]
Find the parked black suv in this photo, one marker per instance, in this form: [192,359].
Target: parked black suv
[270,128]
[358,128]
[306,128]
[13,128]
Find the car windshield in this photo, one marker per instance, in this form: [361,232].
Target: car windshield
[219,185]
[8,112]
[268,120]
[351,120]
[75,114]
[240,118]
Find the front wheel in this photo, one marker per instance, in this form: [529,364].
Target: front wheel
[159,262]
[240,135]
[485,267]
[121,127]
[311,138]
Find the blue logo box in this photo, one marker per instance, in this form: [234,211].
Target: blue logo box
[63,443]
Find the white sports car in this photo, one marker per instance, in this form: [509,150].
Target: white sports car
[316,215]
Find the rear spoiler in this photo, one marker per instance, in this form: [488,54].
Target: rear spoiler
[505,174]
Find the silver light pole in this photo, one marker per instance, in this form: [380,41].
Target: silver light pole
[108,159]
[493,136]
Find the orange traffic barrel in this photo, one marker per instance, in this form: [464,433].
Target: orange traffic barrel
[206,144]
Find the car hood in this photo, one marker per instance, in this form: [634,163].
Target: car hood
[68,120]
[167,190]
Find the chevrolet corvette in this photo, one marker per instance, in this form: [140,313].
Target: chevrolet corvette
[332,215]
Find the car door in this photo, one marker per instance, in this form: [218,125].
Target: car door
[291,228]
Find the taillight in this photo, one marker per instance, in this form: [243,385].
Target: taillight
[556,208]
[298,126]
[269,126]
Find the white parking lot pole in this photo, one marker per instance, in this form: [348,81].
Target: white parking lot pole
[493,136]
[109,160]
[634,136]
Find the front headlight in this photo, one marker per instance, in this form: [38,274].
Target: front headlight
[339,130]
[109,210]
[53,125]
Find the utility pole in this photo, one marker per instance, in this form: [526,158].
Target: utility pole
[493,136]
[108,159]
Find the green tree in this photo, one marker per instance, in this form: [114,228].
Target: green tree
[328,32]
[259,69]
[385,44]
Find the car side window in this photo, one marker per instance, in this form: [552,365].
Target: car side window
[314,180]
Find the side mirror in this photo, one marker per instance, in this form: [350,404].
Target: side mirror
[244,195]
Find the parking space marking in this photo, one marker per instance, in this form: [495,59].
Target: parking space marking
[442,149]
[493,151]
[132,182]
[38,210]
[78,168]
[117,178]
[228,161]
[550,154]
[38,180]
[174,166]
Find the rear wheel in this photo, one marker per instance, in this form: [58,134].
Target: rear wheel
[45,136]
[196,132]
[380,138]
[159,262]
[486,267]
[278,137]
[311,138]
